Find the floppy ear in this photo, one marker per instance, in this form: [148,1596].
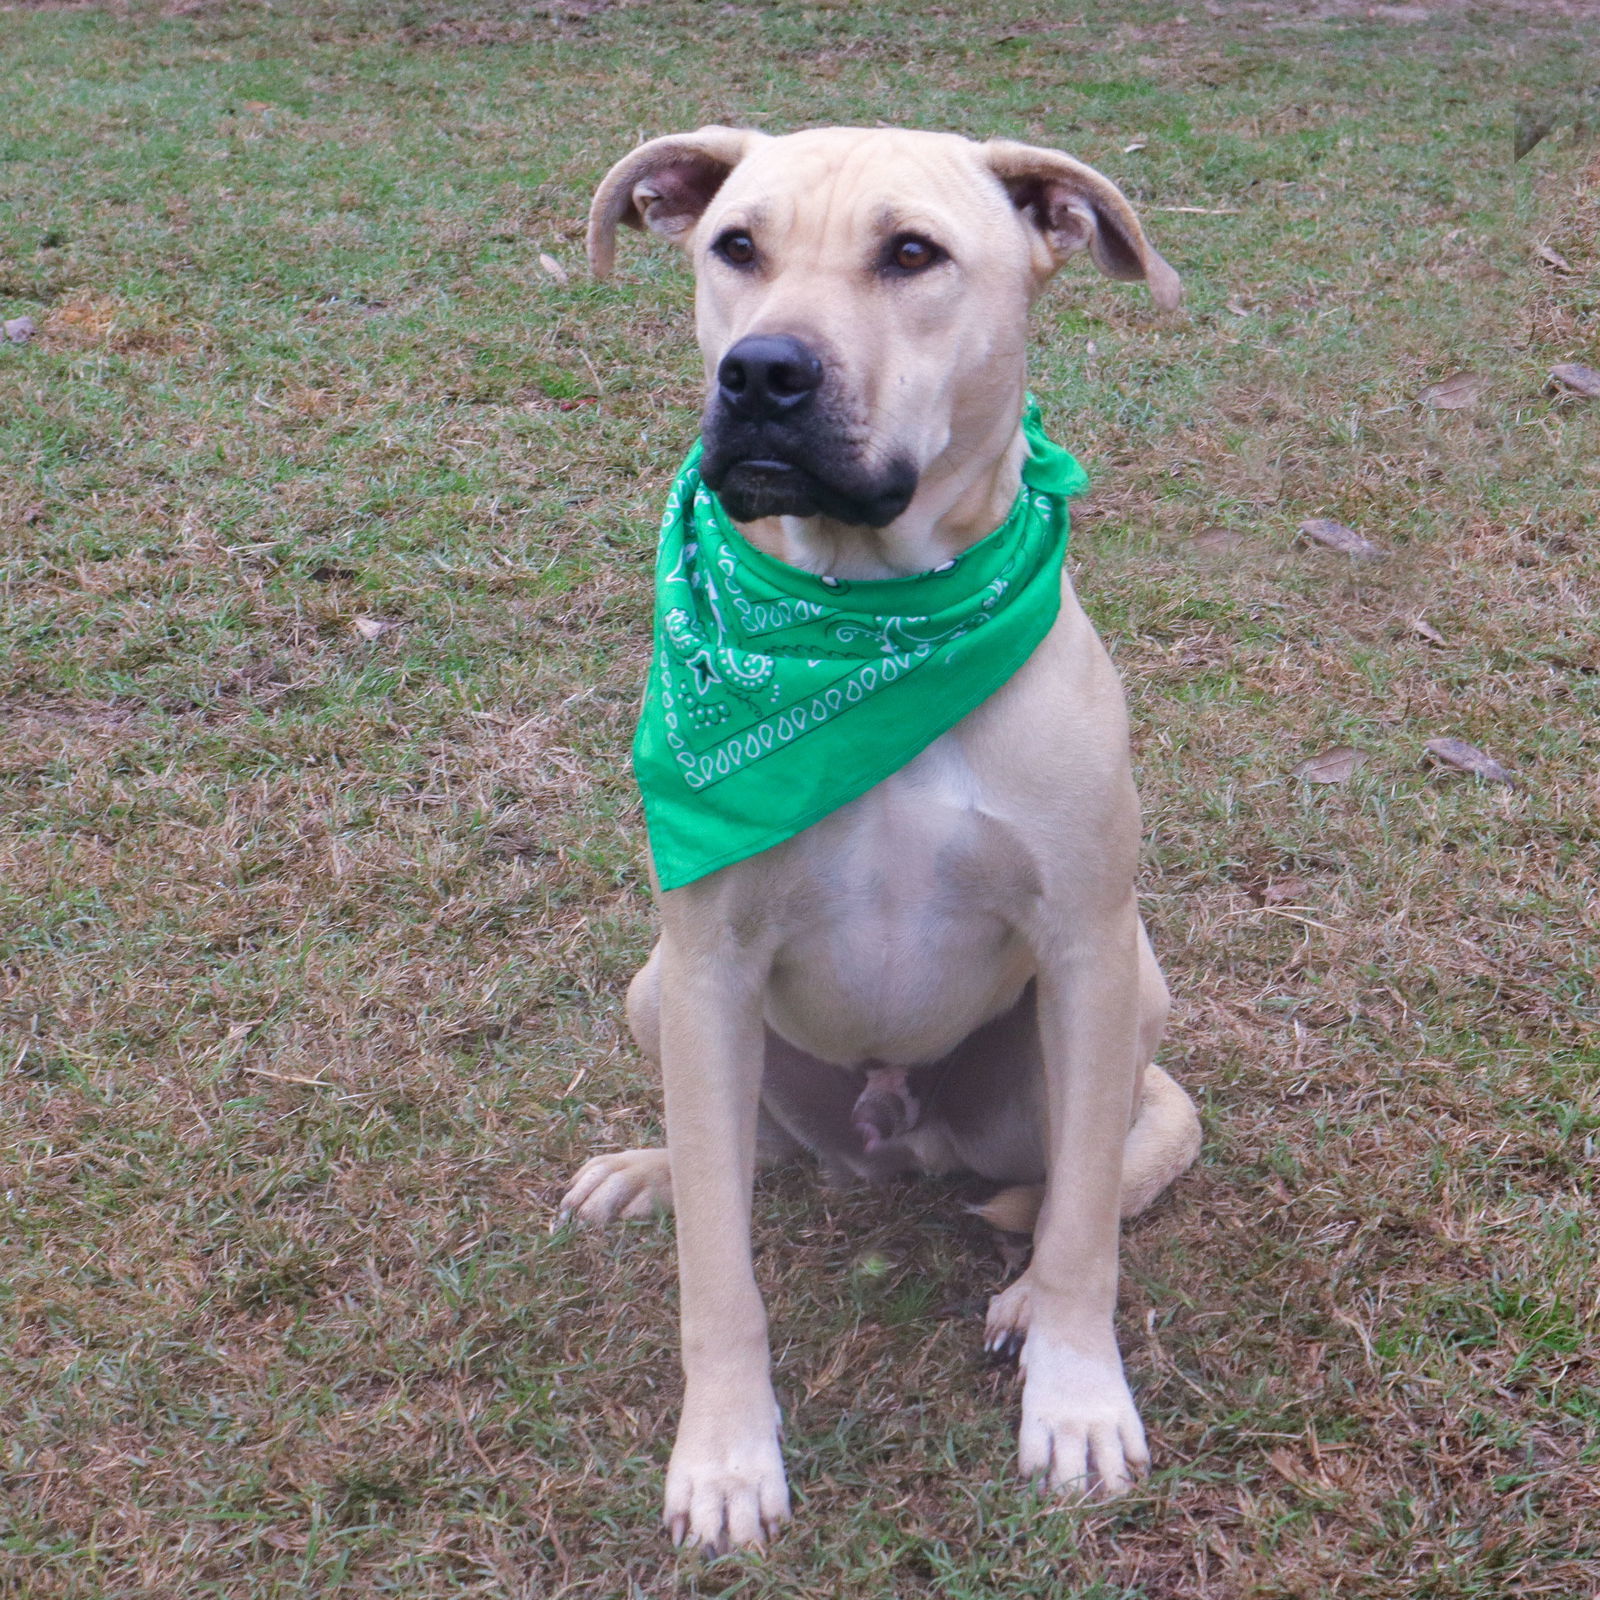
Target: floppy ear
[1072,205]
[664,186]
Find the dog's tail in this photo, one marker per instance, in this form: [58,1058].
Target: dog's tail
[1013,1210]
[1162,1143]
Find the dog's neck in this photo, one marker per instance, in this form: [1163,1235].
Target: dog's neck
[961,498]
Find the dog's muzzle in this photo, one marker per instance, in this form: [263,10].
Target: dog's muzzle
[772,449]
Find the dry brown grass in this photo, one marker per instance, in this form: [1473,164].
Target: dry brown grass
[312,946]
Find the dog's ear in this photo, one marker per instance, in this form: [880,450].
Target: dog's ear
[664,186]
[1071,206]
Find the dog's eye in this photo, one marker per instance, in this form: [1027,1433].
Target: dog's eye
[908,253]
[737,248]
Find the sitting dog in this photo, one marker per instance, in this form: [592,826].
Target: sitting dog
[916,947]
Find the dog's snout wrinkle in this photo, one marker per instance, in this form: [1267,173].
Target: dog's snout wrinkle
[768,375]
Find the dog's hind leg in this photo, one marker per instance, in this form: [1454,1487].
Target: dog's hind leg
[628,1185]
[1161,1145]
[1164,1140]
[991,1101]
[620,1186]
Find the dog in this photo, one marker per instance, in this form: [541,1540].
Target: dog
[948,973]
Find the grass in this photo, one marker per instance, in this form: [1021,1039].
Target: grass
[312,944]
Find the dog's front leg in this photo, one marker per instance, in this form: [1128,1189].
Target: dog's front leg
[725,1483]
[1080,1432]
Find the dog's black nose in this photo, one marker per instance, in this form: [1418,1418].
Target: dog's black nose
[768,375]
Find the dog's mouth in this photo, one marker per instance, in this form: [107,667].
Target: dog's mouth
[758,477]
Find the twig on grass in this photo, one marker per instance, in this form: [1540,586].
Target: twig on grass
[1280,911]
[288,1077]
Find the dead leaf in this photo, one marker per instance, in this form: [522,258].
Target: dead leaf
[1287,1468]
[1335,536]
[1130,149]
[1464,757]
[1337,765]
[371,628]
[1571,375]
[255,105]
[1284,891]
[554,268]
[1528,130]
[19,330]
[1426,631]
[1220,540]
[1455,393]
[1555,260]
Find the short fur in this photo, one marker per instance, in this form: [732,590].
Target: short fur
[964,937]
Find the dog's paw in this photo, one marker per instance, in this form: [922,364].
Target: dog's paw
[626,1184]
[1081,1435]
[725,1484]
[1006,1327]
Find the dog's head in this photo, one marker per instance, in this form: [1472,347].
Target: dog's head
[862,297]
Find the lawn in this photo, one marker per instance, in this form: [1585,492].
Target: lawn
[328,483]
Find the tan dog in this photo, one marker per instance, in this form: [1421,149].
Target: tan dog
[950,972]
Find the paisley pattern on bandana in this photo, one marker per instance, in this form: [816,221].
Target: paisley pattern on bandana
[776,696]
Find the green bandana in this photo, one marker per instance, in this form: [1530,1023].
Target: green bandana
[776,696]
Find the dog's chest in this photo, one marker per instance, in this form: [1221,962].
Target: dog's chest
[902,939]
